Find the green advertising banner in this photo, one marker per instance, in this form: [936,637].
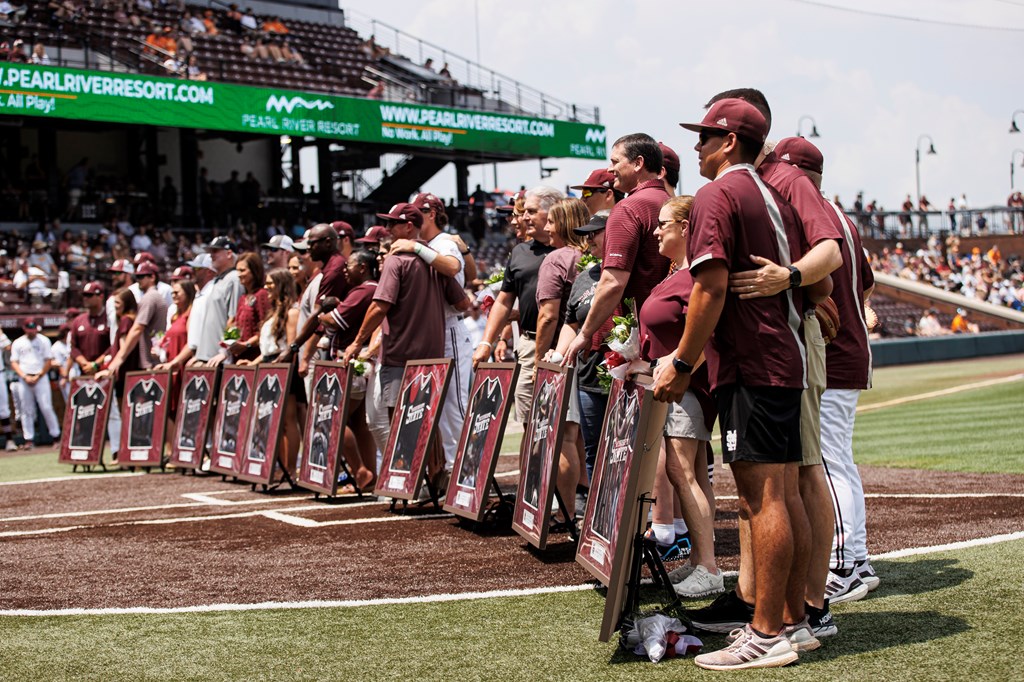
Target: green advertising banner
[28,90]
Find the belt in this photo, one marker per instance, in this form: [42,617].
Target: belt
[530,335]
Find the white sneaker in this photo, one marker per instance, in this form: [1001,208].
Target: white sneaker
[11,445]
[867,574]
[678,575]
[749,651]
[701,583]
[801,636]
[839,589]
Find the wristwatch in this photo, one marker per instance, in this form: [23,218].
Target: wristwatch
[795,278]
[294,347]
[682,366]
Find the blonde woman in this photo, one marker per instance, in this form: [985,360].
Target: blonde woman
[688,427]
[554,282]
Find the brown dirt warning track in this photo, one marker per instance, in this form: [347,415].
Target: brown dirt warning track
[168,540]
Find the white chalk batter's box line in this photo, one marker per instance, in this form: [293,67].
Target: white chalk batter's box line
[440,598]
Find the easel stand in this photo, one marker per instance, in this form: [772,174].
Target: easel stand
[499,513]
[569,524]
[642,554]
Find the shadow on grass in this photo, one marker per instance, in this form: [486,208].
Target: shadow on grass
[917,577]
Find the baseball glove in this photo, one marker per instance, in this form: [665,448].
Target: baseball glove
[870,317]
[828,316]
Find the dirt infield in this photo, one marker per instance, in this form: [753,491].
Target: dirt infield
[167,540]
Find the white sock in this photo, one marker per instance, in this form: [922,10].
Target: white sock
[664,533]
[680,527]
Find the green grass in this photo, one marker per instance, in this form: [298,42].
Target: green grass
[40,465]
[890,383]
[980,430]
[934,617]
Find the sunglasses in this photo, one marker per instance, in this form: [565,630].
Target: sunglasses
[706,135]
[587,193]
[89,295]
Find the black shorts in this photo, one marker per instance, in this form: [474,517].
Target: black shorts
[759,424]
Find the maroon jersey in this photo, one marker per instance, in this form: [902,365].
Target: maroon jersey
[757,342]
[90,335]
[796,188]
[848,357]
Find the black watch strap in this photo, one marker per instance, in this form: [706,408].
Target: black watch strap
[682,366]
[294,347]
[795,277]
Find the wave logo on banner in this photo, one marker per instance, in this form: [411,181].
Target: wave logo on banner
[289,104]
[595,135]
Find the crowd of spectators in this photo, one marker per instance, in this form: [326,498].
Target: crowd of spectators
[979,275]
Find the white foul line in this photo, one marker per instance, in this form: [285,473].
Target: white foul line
[435,598]
[937,394]
[79,477]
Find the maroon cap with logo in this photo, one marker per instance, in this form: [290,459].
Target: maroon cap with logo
[511,205]
[602,178]
[404,213]
[93,288]
[374,235]
[146,268]
[670,158]
[29,324]
[143,257]
[343,229]
[182,272]
[428,202]
[122,265]
[801,153]
[733,115]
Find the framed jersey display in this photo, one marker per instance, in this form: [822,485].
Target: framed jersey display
[85,421]
[325,425]
[490,399]
[144,418]
[540,451]
[198,394]
[231,423]
[413,424]
[627,456]
[259,455]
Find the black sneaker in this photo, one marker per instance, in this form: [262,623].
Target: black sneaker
[723,615]
[821,621]
[678,550]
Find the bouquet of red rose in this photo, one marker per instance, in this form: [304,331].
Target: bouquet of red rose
[623,357]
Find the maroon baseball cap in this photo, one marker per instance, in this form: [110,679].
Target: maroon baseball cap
[146,268]
[428,202]
[670,158]
[801,153]
[374,235]
[93,288]
[143,257]
[602,178]
[404,213]
[122,265]
[343,229]
[733,115]
[182,272]
[30,324]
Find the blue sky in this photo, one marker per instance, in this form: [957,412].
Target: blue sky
[872,84]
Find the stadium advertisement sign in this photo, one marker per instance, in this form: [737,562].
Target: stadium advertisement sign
[31,90]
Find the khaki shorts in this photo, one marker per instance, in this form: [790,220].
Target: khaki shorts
[526,355]
[686,419]
[810,402]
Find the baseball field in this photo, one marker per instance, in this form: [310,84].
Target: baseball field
[164,576]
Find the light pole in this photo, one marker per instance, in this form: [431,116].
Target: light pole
[1013,157]
[917,161]
[814,126]
[1013,121]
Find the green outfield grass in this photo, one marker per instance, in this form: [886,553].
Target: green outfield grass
[933,618]
[42,465]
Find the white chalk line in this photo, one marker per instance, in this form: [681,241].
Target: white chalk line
[937,394]
[197,497]
[310,523]
[77,477]
[439,598]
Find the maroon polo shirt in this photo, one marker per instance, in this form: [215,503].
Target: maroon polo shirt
[334,281]
[662,321]
[555,277]
[797,189]
[350,313]
[90,335]
[848,357]
[630,244]
[414,326]
[757,341]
